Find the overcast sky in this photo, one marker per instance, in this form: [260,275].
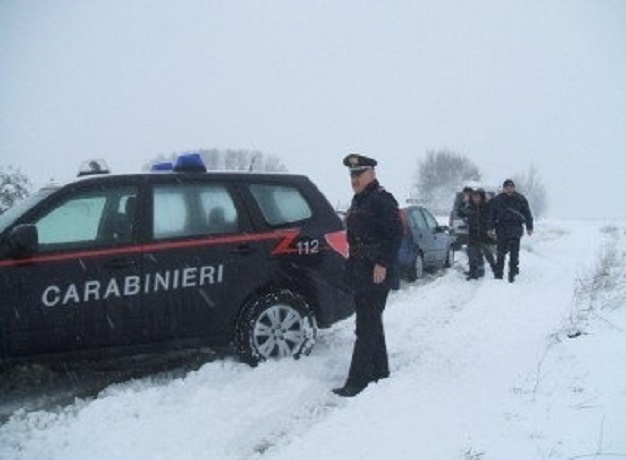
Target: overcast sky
[506,83]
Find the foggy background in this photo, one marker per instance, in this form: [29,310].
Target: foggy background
[505,83]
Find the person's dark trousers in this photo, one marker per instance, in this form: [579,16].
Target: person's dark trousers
[369,358]
[489,254]
[508,245]
[476,261]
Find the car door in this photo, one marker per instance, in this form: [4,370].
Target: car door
[199,260]
[80,290]
[439,237]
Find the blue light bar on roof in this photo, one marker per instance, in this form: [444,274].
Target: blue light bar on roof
[164,166]
[189,162]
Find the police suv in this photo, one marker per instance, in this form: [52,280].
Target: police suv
[140,263]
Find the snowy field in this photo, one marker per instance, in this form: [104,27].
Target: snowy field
[482,370]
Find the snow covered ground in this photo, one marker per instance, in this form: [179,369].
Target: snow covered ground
[480,370]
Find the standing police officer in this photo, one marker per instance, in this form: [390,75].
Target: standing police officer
[374,234]
[510,213]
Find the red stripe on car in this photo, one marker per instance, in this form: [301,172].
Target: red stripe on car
[286,237]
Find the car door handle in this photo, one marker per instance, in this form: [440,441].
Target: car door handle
[120,263]
[243,249]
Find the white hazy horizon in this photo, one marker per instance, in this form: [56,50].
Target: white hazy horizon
[505,83]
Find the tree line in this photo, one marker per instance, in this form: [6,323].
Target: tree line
[439,176]
[444,172]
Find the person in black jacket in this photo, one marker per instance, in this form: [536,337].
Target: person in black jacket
[510,214]
[478,217]
[374,235]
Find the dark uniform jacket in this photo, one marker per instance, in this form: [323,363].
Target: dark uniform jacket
[374,235]
[509,214]
[478,218]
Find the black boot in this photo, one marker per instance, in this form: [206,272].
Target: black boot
[348,391]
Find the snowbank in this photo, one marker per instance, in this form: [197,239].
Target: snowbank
[480,370]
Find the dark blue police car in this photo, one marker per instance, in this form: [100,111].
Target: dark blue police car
[139,263]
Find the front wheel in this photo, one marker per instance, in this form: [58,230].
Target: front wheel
[275,325]
[417,269]
[449,258]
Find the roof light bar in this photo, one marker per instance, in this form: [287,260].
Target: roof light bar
[164,166]
[189,162]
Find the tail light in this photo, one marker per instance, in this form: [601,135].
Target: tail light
[339,242]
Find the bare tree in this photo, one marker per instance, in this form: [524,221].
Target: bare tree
[212,159]
[272,163]
[531,186]
[238,160]
[440,176]
[14,186]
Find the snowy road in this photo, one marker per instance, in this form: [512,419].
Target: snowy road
[480,370]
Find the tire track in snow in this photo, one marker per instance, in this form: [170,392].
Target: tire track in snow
[416,314]
[424,320]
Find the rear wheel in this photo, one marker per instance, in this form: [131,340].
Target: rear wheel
[275,325]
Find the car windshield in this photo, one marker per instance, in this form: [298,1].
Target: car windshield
[14,212]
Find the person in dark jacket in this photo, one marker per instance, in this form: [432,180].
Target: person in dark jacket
[478,217]
[510,213]
[461,203]
[374,235]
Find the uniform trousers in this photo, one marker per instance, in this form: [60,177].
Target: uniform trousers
[369,357]
[508,245]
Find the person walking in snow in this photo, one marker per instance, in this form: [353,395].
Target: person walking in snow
[510,213]
[479,243]
[374,235]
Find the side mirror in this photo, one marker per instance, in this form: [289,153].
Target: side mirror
[23,241]
[442,229]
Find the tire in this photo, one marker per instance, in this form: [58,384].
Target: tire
[275,325]
[449,258]
[417,269]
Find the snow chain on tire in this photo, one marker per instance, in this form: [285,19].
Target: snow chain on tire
[275,325]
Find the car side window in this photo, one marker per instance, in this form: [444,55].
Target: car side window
[219,209]
[182,210]
[418,219]
[170,211]
[281,204]
[85,219]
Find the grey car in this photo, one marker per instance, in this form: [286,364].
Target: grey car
[426,245]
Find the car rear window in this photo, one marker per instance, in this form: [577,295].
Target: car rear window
[281,204]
